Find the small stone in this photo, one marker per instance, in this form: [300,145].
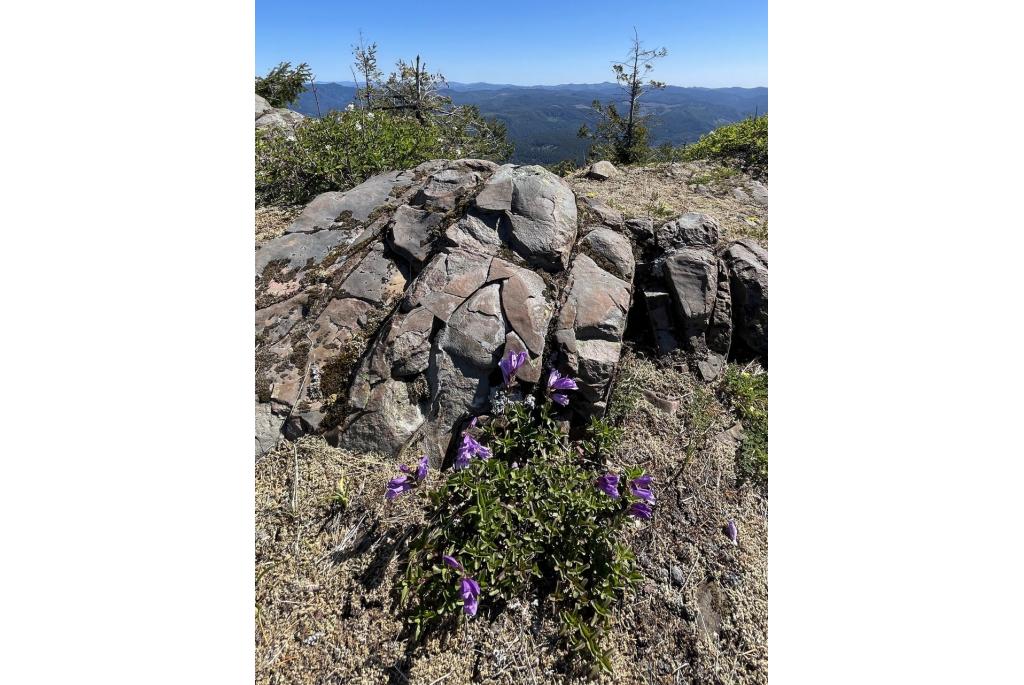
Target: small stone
[602,170]
[677,576]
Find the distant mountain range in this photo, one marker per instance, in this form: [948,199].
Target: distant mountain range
[542,121]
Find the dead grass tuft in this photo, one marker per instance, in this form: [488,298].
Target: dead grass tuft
[713,626]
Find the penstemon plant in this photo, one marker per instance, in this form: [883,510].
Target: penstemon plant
[523,513]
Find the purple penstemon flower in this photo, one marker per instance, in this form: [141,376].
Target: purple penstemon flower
[733,531]
[512,362]
[641,487]
[469,592]
[640,510]
[452,562]
[421,468]
[557,381]
[609,485]
[468,449]
[398,485]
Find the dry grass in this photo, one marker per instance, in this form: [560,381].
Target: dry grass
[271,221]
[326,600]
[714,627]
[665,191]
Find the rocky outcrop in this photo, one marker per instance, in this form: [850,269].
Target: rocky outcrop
[383,311]
[268,117]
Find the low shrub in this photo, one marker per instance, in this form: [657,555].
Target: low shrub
[744,142]
[337,152]
[527,510]
[748,393]
[344,148]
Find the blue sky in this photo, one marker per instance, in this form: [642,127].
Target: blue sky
[526,42]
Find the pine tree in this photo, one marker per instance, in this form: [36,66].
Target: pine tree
[624,138]
[282,85]
[366,64]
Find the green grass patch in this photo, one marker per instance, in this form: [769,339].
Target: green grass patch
[715,176]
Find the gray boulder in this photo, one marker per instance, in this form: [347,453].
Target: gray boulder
[642,230]
[602,170]
[689,230]
[602,212]
[268,428]
[262,106]
[614,249]
[541,213]
[589,331]
[698,282]
[659,314]
[758,192]
[748,277]
[270,118]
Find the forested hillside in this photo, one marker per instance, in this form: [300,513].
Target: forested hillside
[542,121]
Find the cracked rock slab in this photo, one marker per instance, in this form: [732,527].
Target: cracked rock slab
[412,233]
[300,249]
[358,203]
[689,230]
[376,279]
[448,184]
[541,212]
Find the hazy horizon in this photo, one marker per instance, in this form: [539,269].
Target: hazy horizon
[454,81]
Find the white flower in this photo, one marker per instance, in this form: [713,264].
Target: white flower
[350,107]
[458,150]
[359,127]
[369,115]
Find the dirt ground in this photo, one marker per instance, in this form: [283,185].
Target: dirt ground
[326,605]
[665,191]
